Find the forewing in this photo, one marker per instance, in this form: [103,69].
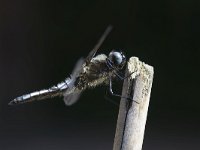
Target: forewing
[70,99]
[97,46]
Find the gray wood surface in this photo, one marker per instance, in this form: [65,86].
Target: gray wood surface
[132,116]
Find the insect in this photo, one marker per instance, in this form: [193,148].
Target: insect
[90,72]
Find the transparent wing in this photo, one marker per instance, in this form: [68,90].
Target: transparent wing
[78,68]
[72,98]
[97,46]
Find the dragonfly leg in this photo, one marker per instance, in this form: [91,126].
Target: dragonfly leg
[120,77]
[109,99]
[112,93]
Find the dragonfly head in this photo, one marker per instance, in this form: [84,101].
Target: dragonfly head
[117,59]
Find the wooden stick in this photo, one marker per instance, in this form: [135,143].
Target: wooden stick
[132,116]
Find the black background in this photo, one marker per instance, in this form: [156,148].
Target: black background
[40,41]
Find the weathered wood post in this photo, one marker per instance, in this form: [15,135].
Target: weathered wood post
[132,116]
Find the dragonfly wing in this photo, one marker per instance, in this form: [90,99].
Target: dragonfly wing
[97,46]
[78,68]
[72,98]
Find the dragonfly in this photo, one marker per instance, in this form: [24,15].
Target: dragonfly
[90,72]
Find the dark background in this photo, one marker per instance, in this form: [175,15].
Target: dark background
[40,41]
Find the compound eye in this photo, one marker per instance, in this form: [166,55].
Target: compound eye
[116,58]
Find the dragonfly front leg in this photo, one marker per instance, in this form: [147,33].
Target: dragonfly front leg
[110,88]
[112,93]
[120,76]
